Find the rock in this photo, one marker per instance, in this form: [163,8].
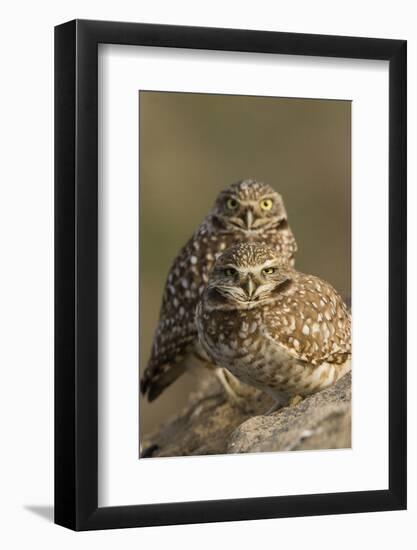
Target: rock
[210,424]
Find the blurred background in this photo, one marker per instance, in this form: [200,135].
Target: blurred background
[194,145]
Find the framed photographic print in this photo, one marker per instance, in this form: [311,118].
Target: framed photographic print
[230,251]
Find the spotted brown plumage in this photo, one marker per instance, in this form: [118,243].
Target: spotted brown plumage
[271,326]
[247,210]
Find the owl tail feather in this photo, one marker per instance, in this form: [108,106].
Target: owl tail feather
[153,386]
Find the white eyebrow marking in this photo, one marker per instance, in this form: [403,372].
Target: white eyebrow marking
[251,269]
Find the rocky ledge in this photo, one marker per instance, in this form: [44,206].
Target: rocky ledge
[210,424]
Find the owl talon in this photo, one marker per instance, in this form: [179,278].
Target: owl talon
[280,403]
[295,400]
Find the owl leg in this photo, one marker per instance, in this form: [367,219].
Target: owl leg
[281,400]
[233,397]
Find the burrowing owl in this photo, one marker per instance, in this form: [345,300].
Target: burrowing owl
[272,327]
[247,210]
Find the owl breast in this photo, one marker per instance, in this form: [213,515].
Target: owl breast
[238,343]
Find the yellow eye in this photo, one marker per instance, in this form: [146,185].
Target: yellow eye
[268,270]
[230,271]
[266,204]
[232,204]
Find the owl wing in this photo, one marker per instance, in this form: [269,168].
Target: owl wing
[287,245]
[176,333]
[311,322]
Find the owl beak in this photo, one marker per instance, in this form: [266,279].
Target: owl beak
[249,218]
[249,287]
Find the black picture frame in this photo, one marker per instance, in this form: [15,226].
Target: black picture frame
[76,272]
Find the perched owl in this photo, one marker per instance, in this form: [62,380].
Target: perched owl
[272,327]
[247,210]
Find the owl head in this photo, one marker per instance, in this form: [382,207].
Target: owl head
[249,206]
[248,274]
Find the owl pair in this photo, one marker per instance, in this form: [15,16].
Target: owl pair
[233,299]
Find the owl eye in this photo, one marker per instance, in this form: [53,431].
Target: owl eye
[230,271]
[232,204]
[269,270]
[266,204]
